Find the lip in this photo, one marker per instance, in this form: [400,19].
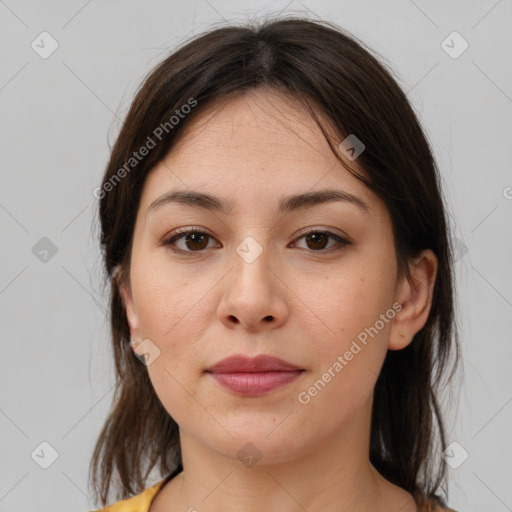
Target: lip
[254,376]
[244,364]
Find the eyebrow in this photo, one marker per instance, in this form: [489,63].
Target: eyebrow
[286,204]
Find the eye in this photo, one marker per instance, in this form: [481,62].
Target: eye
[193,240]
[317,240]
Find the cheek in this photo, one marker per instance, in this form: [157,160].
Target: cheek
[168,303]
[170,316]
[350,337]
[172,325]
[343,306]
[344,375]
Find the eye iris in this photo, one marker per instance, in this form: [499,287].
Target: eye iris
[196,238]
[317,238]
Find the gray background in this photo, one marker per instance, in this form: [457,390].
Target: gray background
[60,113]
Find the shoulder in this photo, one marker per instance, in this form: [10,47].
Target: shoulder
[138,503]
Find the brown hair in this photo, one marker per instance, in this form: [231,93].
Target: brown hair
[337,79]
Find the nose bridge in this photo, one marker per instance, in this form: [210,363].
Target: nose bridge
[253,296]
[251,266]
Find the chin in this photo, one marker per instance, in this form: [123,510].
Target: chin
[257,446]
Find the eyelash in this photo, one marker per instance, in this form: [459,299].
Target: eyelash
[342,242]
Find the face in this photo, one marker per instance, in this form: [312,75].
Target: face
[207,283]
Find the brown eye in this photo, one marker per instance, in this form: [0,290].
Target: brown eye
[191,241]
[317,240]
[195,241]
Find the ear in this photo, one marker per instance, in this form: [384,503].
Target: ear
[132,318]
[416,300]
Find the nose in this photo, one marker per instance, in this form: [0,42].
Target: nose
[254,296]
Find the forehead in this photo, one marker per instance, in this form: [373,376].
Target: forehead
[260,123]
[263,145]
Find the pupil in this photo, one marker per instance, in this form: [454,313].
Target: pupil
[195,239]
[314,237]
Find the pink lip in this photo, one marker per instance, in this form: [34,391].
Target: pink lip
[254,376]
[260,363]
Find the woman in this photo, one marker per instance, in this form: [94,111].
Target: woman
[276,239]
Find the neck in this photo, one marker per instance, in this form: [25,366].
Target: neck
[333,475]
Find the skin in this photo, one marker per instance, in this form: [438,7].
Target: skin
[202,307]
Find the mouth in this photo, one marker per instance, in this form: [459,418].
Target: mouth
[254,376]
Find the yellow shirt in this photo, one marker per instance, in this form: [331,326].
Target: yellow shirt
[142,501]
[139,503]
